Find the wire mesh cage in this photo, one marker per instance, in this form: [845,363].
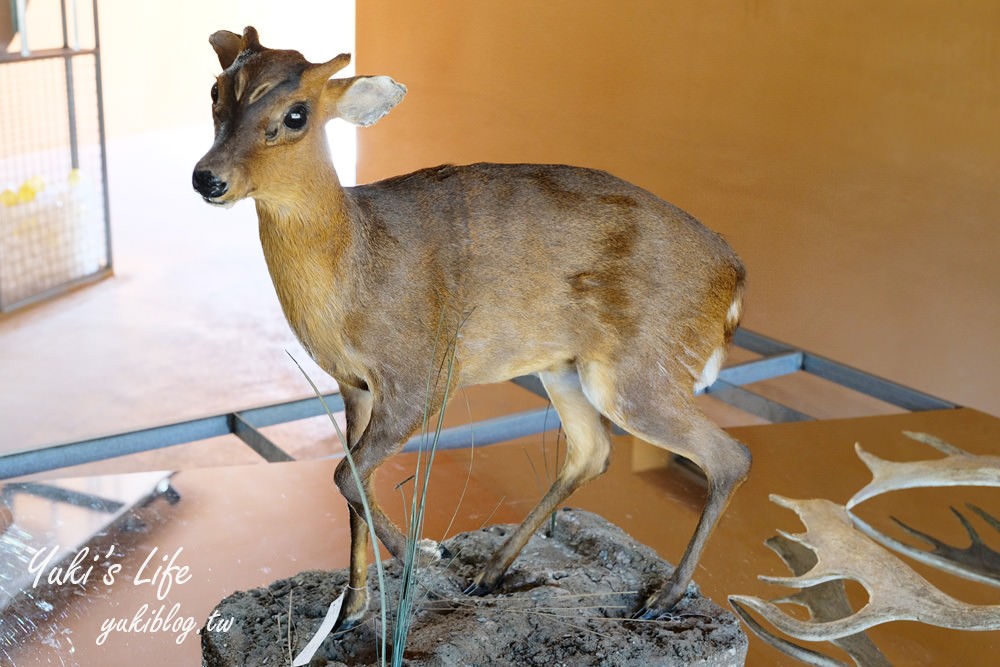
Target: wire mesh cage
[54,223]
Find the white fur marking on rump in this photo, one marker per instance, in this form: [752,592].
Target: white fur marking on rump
[711,371]
[735,310]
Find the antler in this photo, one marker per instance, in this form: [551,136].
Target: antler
[895,591]
[977,562]
[825,602]
[957,468]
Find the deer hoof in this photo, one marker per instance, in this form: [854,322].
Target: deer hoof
[352,612]
[345,625]
[347,621]
[646,613]
[479,588]
[661,603]
[652,609]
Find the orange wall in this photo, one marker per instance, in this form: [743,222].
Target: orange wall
[850,151]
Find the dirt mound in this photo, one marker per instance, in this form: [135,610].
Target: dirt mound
[565,601]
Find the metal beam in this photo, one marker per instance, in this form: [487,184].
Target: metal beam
[269,415]
[844,375]
[257,441]
[759,343]
[756,404]
[29,462]
[33,461]
[866,383]
[489,431]
[762,369]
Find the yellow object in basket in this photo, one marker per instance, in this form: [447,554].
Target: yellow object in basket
[35,183]
[25,194]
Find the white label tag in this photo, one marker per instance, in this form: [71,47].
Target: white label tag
[309,651]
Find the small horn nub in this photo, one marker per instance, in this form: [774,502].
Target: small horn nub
[251,40]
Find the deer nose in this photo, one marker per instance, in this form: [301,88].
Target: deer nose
[208,184]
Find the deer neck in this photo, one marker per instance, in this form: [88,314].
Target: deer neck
[307,241]
[304,215]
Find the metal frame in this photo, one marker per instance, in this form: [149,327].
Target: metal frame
[67,54]
[778,359]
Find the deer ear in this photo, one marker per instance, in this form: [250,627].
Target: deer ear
[227,46]
[362,100]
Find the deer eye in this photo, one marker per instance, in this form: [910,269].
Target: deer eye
[215,93]
[295,119]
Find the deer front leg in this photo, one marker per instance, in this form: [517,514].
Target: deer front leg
[356,596]
[389,425]
[358,411]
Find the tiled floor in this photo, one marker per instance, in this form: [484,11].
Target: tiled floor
[189,326]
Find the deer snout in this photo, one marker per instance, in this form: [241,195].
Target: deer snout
[208,184]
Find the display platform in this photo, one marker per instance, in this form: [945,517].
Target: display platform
[242,527]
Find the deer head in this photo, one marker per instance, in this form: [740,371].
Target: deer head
[270,108]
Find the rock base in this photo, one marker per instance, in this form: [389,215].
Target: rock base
[565,601]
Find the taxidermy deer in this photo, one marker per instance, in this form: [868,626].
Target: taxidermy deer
[620,302]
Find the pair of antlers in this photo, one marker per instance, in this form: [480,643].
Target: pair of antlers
[841,550]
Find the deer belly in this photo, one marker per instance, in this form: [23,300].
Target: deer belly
[497,360]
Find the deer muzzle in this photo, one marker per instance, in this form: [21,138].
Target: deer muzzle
[208,184]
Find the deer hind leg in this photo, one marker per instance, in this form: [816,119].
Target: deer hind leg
[587,453]
[661,411]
